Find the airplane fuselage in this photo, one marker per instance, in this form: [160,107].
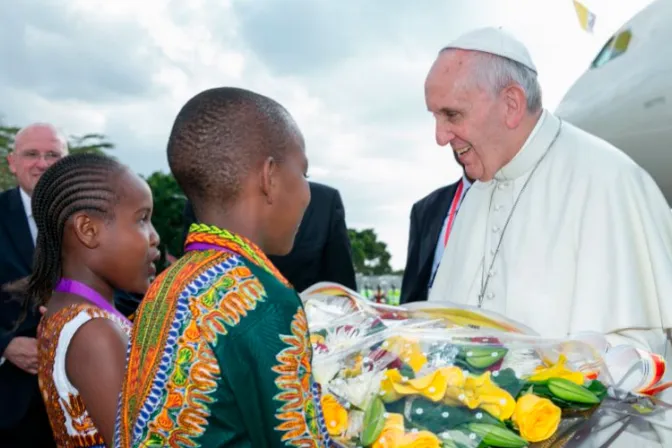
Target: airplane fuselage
[625,97]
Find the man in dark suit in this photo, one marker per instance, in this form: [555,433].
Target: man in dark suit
[23,419]
[321,250]
[432,218]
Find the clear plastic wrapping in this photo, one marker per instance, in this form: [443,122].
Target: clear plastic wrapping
[458,377]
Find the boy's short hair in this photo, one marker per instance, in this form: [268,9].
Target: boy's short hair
[219,135]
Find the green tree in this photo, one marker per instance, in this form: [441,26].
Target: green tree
[369,255]
[96,143]
[167,219]
[7,134]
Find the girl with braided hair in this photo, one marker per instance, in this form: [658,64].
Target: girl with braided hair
[94,235]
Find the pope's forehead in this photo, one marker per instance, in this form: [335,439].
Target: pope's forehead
[449,82]
[451,62]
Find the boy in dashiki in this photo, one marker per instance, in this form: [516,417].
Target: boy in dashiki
[220,354]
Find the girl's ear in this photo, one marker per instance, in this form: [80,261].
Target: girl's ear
[87,230]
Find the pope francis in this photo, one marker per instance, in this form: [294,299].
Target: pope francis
[561,231]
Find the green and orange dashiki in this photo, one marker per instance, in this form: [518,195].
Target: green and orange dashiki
[220,355]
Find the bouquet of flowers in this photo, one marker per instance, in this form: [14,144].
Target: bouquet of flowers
[452,377]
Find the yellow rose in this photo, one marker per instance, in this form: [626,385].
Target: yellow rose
[537,418]
[558,370]
[421,439]
[393,432]
[335,415]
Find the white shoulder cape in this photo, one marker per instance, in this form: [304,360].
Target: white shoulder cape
[588,247]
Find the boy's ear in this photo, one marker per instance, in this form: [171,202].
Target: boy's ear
[268,181]
[87,230]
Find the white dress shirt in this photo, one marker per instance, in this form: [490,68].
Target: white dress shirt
[27,206]
[440,247]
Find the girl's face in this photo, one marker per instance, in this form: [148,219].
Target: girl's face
[128,244]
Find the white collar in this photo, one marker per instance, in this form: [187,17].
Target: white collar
[27,202]
[534,148]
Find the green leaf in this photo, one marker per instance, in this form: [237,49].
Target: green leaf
[439,417]
[507,380]
[455,439]
[396,407]
[374,421]
[598,389]
[512,426]
[407,371]
[496,436]
[482,357]
[464,365]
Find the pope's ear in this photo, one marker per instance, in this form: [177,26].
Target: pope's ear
[515,104]
[87,230]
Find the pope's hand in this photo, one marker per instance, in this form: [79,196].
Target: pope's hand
[22,352]
[43,309]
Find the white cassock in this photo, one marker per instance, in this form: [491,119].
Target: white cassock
[588,246]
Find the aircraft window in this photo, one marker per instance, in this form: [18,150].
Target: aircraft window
[615,46]
[604,54]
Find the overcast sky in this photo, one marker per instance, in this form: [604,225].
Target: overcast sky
[351,72]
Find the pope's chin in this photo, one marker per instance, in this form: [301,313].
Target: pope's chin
[474,172]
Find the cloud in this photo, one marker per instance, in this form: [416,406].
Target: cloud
[350,72]
[57,54]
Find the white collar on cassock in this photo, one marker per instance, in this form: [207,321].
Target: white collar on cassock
[535,146]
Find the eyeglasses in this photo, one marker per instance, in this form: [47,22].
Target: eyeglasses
[34,156]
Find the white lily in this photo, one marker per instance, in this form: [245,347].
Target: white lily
[358,390]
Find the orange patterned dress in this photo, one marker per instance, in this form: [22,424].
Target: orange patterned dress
[70,421]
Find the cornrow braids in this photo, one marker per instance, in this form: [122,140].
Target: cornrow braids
[80,182]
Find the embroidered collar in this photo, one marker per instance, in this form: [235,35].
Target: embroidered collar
[536,145]
[203,233]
